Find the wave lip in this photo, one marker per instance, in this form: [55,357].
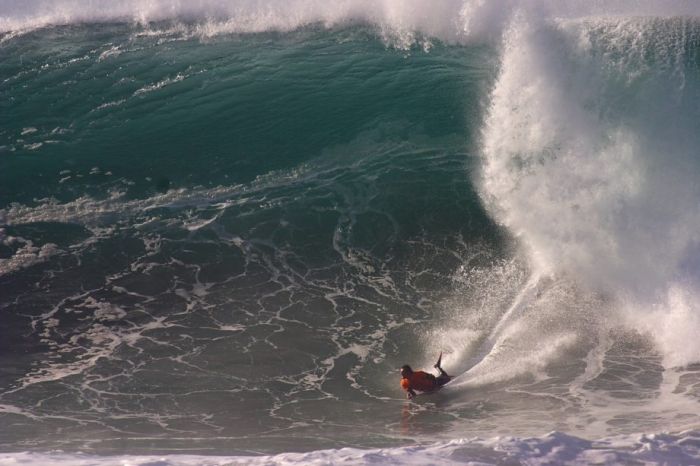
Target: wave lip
[451,20]
[247,16]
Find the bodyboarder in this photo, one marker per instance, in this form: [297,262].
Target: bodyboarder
[413,381]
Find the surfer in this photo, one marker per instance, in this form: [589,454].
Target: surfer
[422,381]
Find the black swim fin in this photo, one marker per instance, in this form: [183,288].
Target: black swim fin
[437,364]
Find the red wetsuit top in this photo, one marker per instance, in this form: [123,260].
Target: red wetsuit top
[419,380]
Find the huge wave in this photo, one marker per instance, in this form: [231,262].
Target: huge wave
[588,158]
[589,143]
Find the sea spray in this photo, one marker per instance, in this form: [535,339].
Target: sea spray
[595,178]
[448,20]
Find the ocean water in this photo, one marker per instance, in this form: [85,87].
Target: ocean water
[225,225]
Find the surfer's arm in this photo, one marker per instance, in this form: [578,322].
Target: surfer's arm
[406,385]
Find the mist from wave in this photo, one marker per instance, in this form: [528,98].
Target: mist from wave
[450,20]
[592,162]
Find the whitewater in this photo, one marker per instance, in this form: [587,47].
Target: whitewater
[224,226]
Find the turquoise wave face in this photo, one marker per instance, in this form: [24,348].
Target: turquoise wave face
[220,229]
[95,108]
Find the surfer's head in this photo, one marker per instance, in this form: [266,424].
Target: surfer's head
[406,370]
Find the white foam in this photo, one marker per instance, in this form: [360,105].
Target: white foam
[553,448]
[217,16]
[33,146]
[113,51]
[30,130]
[452,20]
[160,84]
[92,212]
[26,255]
[590,159]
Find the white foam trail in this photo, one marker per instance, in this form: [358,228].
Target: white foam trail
[520,304]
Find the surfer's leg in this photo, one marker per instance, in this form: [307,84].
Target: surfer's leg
[437,366]
[442,379]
